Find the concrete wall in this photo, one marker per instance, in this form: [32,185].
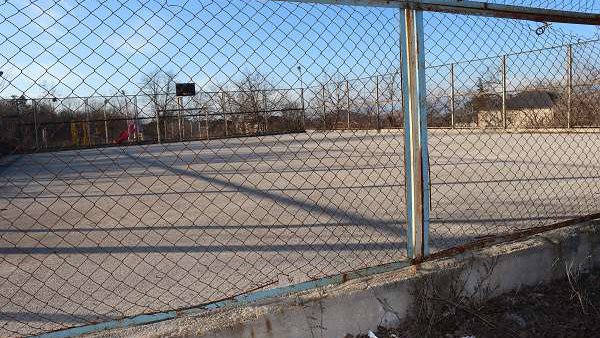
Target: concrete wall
[386,299]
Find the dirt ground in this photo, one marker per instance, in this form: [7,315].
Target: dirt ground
[565,308]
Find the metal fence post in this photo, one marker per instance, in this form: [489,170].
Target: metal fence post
[224,107]
[105,121]
[324,110]
[157,119]
[179,107]
[35,123]
[302,98]
[452,98]
[265,111]
[127,113]
[337,103]
[415,124]
[504,119]
[569,84]
[87,121]
[348,104]
[207,128]
[136,112]
[378,110]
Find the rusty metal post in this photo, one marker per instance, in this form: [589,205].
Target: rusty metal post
[415,124]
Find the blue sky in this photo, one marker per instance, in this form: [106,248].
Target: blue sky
[84,47]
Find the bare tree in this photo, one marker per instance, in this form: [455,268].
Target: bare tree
[331,101]
[252,98]
[157,87]
[223,102]
[392,95]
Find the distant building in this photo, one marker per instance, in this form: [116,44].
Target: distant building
[528,109]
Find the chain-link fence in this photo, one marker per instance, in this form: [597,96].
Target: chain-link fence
[198,198]
[120,197]
[72,122]
[513,134]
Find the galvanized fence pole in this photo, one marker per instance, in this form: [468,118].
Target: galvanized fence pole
[378,108]
[569,84]
[324,109]
[415,124]
[179,108]
[452,98]
[337,103]
[504,118]
[348,104]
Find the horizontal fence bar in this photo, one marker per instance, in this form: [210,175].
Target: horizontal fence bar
[475,8]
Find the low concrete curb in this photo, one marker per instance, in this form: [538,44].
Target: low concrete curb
[388,298]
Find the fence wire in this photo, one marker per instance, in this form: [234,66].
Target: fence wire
[118,197]
[513,134]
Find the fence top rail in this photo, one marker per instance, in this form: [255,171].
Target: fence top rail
[476,8]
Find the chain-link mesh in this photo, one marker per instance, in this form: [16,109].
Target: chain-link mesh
[513,134]
[118,197]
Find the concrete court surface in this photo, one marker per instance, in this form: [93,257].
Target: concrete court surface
[92,235]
